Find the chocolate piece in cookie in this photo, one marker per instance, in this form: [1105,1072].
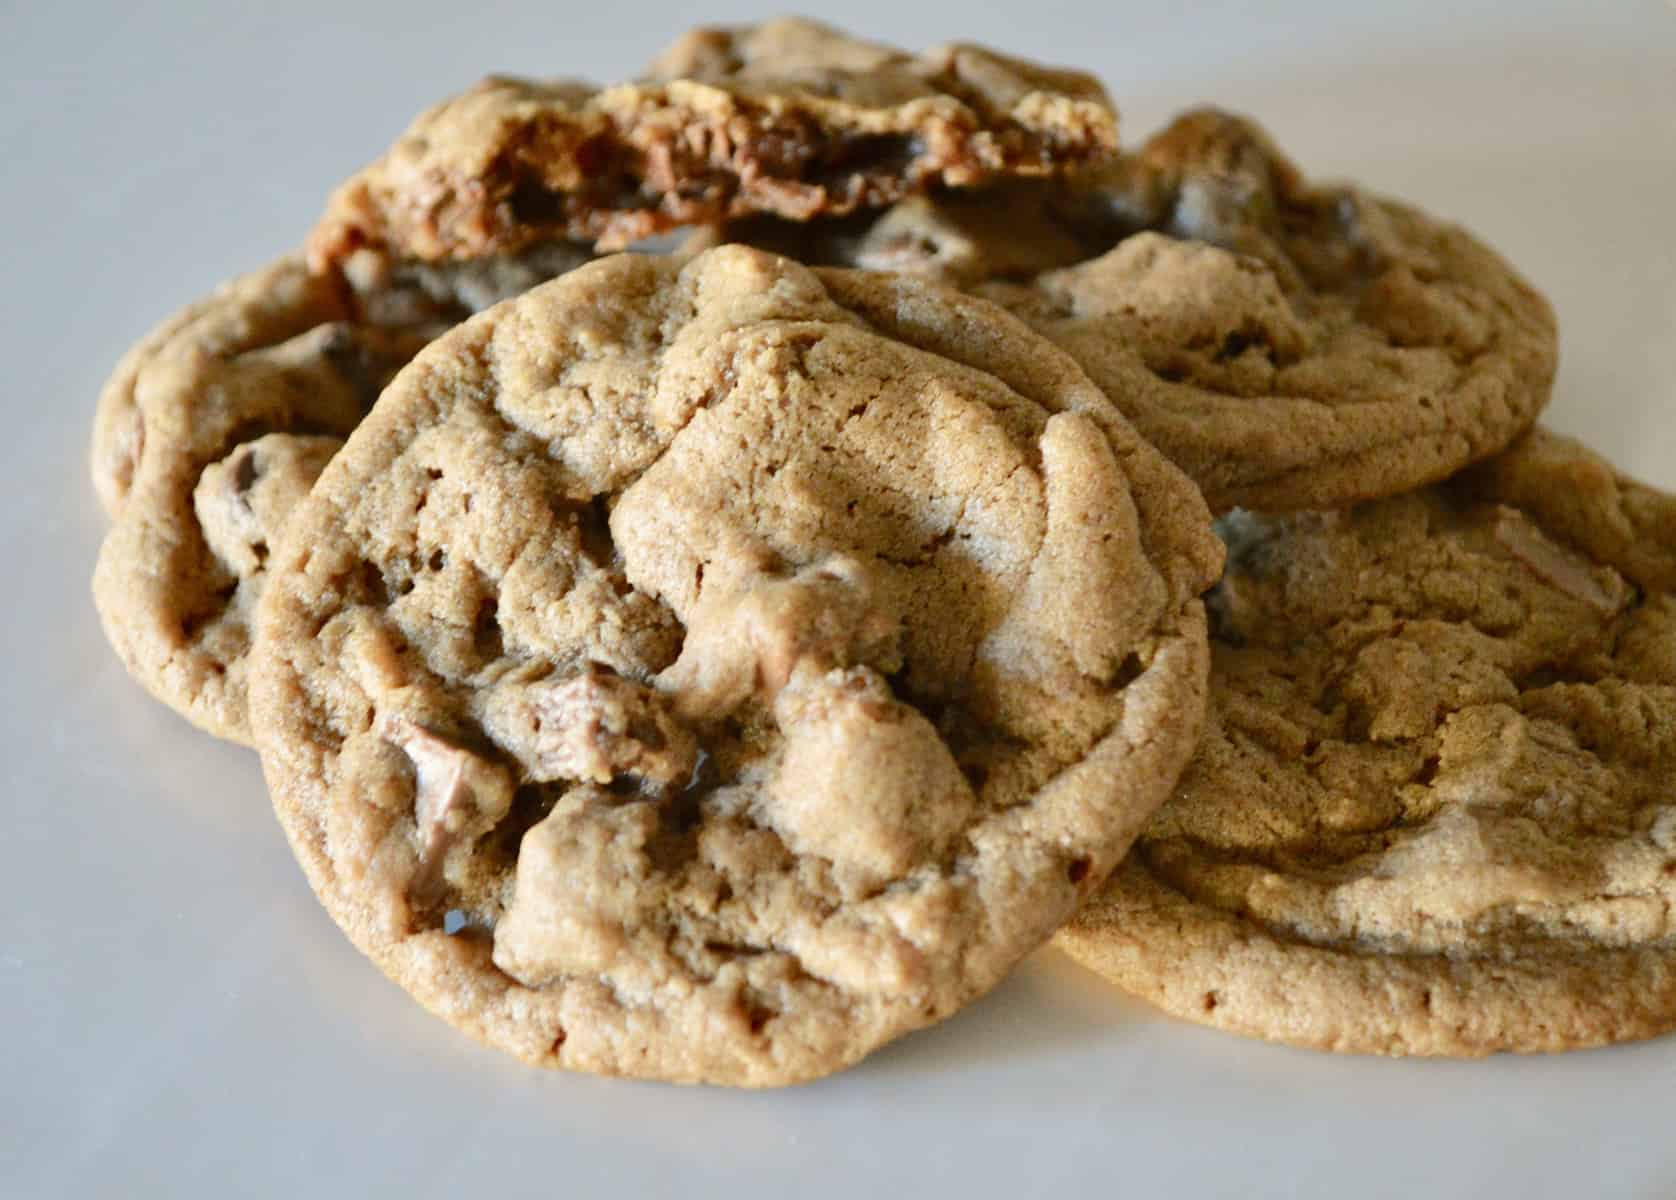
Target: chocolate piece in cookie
[594,726]
[833,632]
[747,641]
[789,117]
[1432,813]
[213,428]
[1288,345]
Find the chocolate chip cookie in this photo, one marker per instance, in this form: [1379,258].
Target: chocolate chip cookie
[1288,345]
[1433,810]
[789,117]
[713,669]
[217,423]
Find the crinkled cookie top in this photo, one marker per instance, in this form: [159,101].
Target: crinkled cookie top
[711,671]
[789,117]
[1287,345]
[215,425]
[1433,812]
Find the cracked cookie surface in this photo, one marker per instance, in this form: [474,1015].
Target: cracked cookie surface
[1288,345]
[789,117]
[213,427]
[711,671]
[1432,813]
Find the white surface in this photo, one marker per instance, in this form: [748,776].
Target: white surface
[178,1014]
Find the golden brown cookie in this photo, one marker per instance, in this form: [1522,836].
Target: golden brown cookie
[1288,345]
[789,117]
[1433,810]
[218,422]
[713,670]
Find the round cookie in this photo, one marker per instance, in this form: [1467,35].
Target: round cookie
[711,671]
[1432,813]
[789,117]
[215,424]
[1287,345]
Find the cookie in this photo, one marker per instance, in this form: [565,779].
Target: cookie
[788,117]
[713,671]
[1433,810]
[217,423]
[1288,345]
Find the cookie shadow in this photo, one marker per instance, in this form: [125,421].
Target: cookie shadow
[1048,1007]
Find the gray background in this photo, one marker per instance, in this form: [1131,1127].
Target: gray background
[178,1013]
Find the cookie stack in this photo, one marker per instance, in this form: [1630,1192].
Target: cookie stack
[718,568]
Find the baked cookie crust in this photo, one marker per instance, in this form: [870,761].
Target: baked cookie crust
[216,424]
[1432,813]
[1289,345]
[711,670]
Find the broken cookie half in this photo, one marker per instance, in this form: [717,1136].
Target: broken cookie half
[713,669]
[790,118]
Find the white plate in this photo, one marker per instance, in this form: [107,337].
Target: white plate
[179,1016]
